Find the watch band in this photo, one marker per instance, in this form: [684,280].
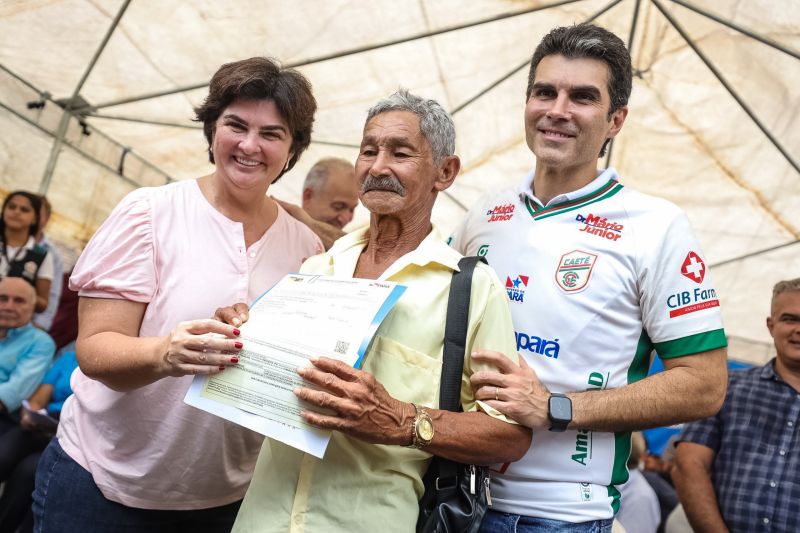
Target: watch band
[559,411]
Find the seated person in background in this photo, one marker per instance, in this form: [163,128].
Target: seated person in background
[371,476]
[739,470]
[44,319]
[638,507]
[64,329]
[25,351]
[21,446]
[330,195]
[20,255]
[657,470]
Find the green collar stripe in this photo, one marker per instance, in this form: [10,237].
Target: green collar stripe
[608,190]
[605,192]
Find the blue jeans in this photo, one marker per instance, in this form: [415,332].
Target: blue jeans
[66,500]
[498,522]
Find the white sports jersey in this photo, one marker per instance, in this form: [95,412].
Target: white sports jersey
[596,280]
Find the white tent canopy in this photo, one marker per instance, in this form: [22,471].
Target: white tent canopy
[96,99]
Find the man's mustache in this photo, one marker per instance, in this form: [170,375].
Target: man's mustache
[382,183]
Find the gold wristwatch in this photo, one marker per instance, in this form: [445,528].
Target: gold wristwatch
[423,428]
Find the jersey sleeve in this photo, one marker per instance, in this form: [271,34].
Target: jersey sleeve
[680,309]
[119,261]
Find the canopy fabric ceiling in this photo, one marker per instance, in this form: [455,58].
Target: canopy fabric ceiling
[722,146]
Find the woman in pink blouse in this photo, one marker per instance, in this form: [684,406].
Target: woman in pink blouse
[129,454]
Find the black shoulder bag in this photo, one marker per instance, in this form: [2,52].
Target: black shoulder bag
[456,495]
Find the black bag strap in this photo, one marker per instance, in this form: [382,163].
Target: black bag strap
[455,346]
[455,334]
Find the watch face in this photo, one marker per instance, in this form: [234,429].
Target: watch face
[560,409]
[425,429]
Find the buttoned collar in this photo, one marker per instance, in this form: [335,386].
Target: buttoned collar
[344,254]
[526,188]
[16,332]
[768,371]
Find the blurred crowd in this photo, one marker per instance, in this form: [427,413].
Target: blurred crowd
[38,328]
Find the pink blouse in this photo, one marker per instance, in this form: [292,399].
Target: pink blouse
[169,248]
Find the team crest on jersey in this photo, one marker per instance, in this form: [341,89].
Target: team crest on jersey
[516,288]
[483,250]
[693,267]
[574,270]
[500,213]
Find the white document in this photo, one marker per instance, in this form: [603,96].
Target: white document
[301,317]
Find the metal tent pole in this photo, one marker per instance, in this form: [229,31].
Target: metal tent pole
[727,86]
[740,29]
[519,67]
[345,53]
[68,111]
[631,35]
[754,254]
[146,121]
[80,151]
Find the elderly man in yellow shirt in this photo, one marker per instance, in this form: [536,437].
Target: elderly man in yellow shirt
[371,476]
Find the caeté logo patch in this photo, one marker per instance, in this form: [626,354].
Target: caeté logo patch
[574,270]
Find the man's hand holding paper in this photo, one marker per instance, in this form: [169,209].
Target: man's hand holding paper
[361,406]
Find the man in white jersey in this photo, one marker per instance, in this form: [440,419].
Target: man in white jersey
[597,276]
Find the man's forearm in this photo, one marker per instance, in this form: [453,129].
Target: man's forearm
[678,394]
[696,493]
[477,438]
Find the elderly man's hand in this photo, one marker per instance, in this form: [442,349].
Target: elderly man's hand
[361,406]
[515,390]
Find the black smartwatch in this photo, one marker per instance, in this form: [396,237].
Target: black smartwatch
[559,411]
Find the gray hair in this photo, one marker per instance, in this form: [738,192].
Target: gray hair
[319,173]
[435,123]
[789,285]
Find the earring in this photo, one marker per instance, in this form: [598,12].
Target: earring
[287,166]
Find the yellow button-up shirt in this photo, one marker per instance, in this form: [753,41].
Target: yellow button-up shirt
[368,487]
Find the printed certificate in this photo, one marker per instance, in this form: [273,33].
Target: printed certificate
[301,317]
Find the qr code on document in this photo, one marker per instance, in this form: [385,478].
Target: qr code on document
[341,347]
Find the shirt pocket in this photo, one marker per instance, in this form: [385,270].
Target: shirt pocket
[408,375]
